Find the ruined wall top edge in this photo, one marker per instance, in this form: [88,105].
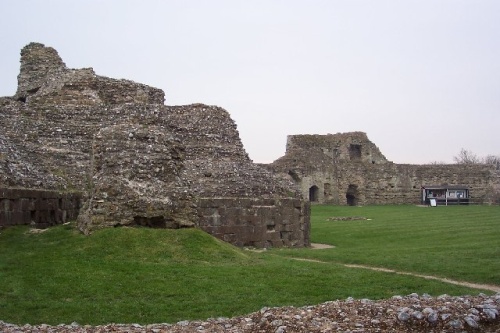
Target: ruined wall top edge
[351,146]
[44,79]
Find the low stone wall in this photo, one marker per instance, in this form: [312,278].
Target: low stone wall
[39,208]
[255,222]
[261,223]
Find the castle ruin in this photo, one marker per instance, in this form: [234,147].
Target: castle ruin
[134,161]
[111,153]
[349,169]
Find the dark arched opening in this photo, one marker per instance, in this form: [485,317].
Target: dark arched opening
[313,193]
[352,195]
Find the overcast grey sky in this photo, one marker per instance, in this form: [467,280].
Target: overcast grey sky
[421,78]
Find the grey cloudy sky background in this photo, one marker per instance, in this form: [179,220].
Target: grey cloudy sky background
[421,78]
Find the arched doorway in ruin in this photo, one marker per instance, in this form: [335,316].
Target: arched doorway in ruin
[314,193]
[352,195]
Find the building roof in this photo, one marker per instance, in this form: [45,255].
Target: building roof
[445,187]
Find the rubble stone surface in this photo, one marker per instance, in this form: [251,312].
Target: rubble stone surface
[412,313]
[137,161]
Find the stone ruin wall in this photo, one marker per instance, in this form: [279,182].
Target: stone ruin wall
[395,184]
[37,208]
[256,222]
[337,148]
[327,162]
[137,161]
[140,162]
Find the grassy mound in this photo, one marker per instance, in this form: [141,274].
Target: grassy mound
[140,275]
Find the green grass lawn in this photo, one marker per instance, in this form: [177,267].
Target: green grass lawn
[142,275]
[457,242]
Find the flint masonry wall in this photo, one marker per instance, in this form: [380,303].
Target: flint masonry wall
[348,169]
[138,161]
[38,208]
[393,183]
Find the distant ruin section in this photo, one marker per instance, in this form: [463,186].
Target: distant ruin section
[138,162]
[349,169]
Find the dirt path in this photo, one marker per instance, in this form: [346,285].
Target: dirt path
[428,277]
[317,246]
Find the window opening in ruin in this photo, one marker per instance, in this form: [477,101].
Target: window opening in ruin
[352,195]
[355,152]
[314,193]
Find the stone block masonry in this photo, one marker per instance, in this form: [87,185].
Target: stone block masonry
[253,222]
[38,208]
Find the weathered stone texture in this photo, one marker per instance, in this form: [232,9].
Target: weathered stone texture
[20,163]
[137,161]
[45,79]
[348,168]
[37,208]
[256,222]
[333,148]
[37,64]
[216,164]
[136,180]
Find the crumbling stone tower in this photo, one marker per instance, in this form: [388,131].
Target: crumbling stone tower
[138,161]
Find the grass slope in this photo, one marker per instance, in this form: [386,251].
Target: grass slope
[139,275]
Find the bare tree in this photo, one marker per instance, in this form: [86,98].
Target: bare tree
[493,160]
[466,157]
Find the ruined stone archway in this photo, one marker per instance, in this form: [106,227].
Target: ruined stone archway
[314,193]
[352,195]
